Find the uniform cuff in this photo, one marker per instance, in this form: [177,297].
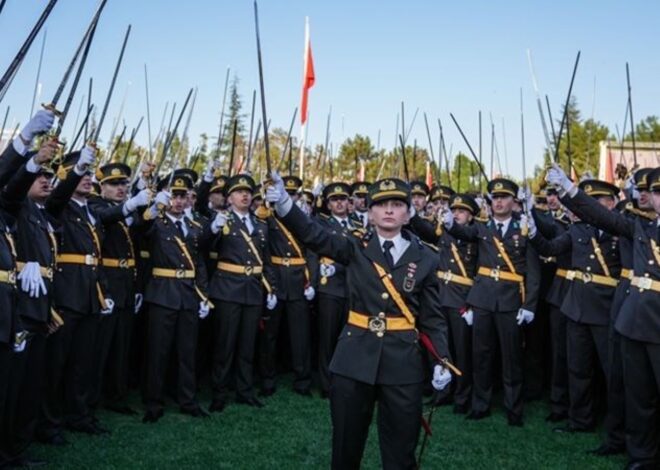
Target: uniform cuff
[284,208]
[32,167]
[19,146]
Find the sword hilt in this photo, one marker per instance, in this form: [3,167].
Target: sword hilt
[51,107]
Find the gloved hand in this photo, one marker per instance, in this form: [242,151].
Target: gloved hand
[309,293]
[40,123]
[276,194]
[110,306]
[441,377]
[555,176]
[209,171]
[140,199]
[31,280]
[138,302]
[303,206]
[524,316]
[468,316]
[86,160]
[531,225]
[219,222]
[20,342]
[327,270]
[317,189]
[271,301]
[46,152]
[447,218]
[204,309]
[412,211]
[162,199]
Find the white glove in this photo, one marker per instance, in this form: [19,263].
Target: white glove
[411,211]
[141,183]
[441,377]
[318,189]
[162,199]
[20,346]
[140,199]
[219,222]
[208,172]
[110,306]
[327,270]
[276,193]
[86,160]
[531,225]
[271,301]
[138,302]
[32,282]
[40,123]
[304,206]
[524,316]
[309,293]
[447,218]
[204,309]
[468,316]
[556,177]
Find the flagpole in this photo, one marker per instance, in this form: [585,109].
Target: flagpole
[303,127]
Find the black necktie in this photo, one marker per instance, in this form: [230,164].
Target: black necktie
[244,220]
[344,224]
[500,225]
[387,246]
[179,227]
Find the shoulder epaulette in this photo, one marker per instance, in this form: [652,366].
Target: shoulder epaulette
[195,223]
[433,247]
[650,215]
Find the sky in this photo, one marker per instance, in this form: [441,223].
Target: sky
[441,57]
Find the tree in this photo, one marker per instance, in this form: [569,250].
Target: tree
[648,130]
[233,114]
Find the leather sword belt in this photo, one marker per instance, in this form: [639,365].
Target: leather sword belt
[561,273]
[626,274]
[380,323]
[45,271]
[455,278]
[497,274]
[173,273]
[125,263]
[248,270]
[8,277]
[645,283]
[74,258]
[280,261]
[587,278]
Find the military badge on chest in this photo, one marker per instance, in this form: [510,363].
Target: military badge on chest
[409,280]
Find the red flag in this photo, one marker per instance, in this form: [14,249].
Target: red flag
[429,175]
[308,75]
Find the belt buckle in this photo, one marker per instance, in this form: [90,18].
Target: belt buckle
[645,283]
[123,263]
[180,273]
[89,260]
[447,277]
[495,274]
[11,277]
[377,325]
[49,273]
[570,275]
[587,278]
[286,261]
[248,270]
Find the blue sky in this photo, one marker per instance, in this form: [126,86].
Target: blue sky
[442,57]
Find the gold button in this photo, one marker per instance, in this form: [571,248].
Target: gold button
[381,315]
[651,261]
[348,334]
[380,334]
[499,255]
[591,256]
[588,268]
[385,296]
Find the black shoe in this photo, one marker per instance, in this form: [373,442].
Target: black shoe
[152,416]
[460,409]
[267,392]
[217,406]
[122,410]
[197,412]
[607,449]
[556,417]
[641,466]
[304,393]
[27,462]
[570,429]
[57,440]
[250,401]
[514,420]
[477,415]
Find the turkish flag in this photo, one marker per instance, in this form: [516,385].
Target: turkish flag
[308,76]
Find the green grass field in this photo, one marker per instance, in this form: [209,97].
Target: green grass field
[294,432]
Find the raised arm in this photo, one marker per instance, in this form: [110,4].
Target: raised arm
[592,212]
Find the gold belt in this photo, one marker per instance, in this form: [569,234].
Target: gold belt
[145,254]
[626,274]
[239,268]
[72,258]
[595,278]
[173,273]
[8,277]
[288,261]
[45,271]
[561,273]
[497,274]
[645,283]
[455,278]
[125,263]
[380,323]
